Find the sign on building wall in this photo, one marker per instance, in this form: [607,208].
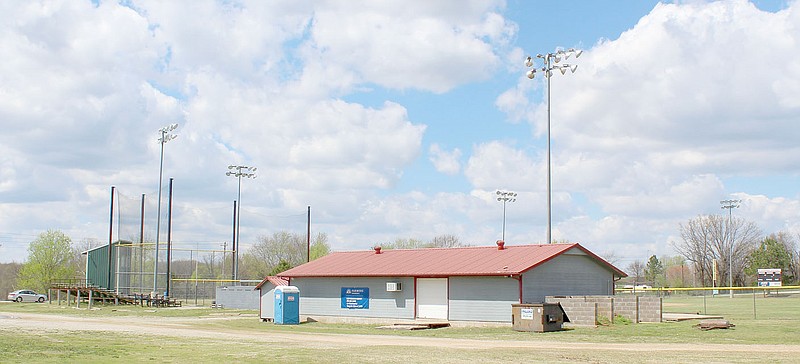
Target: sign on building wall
[769,277]
[355,297]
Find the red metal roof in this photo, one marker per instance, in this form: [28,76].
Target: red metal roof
[437,262]
[277,281]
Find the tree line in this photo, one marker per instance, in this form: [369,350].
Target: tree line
[53,257]
[710,247]
[713,246]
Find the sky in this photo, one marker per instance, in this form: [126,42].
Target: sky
[397,120]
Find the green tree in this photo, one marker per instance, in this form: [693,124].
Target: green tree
[770,254]
[654,271]
[319,247]
[50,258]
[281,267]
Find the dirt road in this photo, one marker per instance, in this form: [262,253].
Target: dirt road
[188,328]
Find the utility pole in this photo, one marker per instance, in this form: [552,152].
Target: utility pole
[308,236]
[224,251]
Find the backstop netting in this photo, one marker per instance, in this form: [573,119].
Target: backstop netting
[196,262]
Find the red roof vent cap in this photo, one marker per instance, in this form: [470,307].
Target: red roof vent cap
[377,249]
[501,245]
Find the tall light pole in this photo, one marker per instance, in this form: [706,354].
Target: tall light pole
[505,196]
[548,69]
[239,172]
[165,136]
[730,205]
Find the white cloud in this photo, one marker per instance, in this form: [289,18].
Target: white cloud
[433,47]
[496,165]
[645,134]
[444,161]
[652,123]
[86,87]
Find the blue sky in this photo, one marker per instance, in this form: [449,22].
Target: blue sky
[399,120]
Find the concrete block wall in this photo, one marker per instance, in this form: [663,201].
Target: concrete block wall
[627,307]
[578,310]
[650,309]
[584,310]
[605,306]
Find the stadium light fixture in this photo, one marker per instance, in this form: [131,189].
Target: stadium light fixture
[239,172]
[548,68]
[505,196]
[165,136]
[730,205]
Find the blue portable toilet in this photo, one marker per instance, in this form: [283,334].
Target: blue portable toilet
[287,305]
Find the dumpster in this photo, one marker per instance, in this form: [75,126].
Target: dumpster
[287,305]
[538,317]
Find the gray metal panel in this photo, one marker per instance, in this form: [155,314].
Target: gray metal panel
[482,298]
[567,275]
[241,297]
[322,296]
[267,300]
[267,310]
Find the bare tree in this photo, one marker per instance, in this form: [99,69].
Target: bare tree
[283,246]
[78,248]
[714,238]
[446,241]
[636,270]
[406,243]
[676,272]
[611,257]
[790,244]
[439,241]
[8,275]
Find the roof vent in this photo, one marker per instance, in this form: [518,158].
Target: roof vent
[501,245]
[377,249]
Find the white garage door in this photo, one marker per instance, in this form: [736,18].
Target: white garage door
[432,298]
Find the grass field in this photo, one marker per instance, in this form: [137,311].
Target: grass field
[242,337]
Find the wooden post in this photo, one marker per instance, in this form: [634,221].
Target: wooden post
[77,298]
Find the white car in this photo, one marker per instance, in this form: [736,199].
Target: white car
[26,296]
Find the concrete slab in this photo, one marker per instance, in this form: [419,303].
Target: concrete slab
[675,317]
[415,326]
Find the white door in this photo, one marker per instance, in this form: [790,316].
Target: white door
[432,298]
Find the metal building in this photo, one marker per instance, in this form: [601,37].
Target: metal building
[266,291]
[457,284]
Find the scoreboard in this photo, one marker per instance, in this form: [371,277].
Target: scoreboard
[769,277]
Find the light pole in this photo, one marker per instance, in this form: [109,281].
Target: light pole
[239,172]
[505,196]
[548,68]
[163,139]
[730,205]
